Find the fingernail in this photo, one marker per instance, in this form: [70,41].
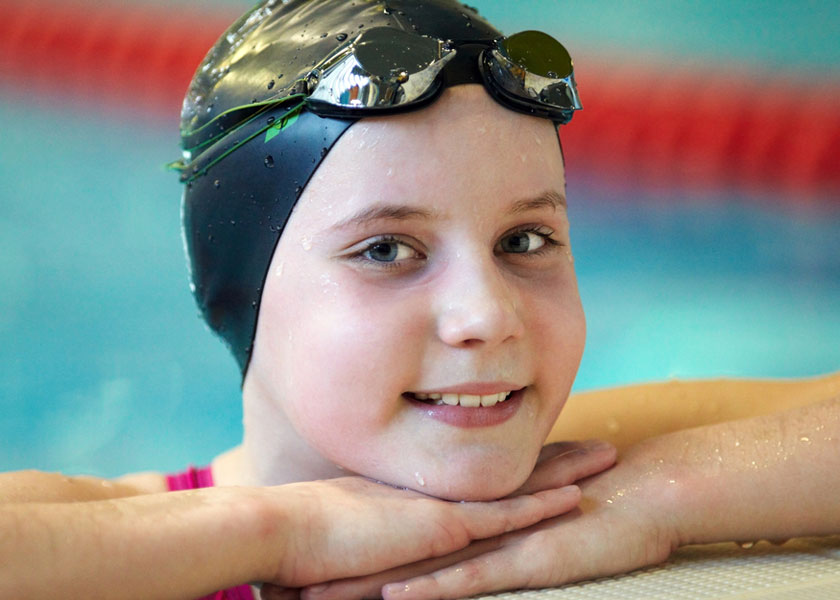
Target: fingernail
[395,589]
[318,589]
[597,445]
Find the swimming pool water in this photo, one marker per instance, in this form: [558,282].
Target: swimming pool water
[105,366]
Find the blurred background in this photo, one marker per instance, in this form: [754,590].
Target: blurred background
[704,190]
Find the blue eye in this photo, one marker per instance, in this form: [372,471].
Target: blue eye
[523,242]
[388,251]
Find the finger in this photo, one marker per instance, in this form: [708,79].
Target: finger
[275,592]
[566,463]
[483,520]
[499,570]
[370,586]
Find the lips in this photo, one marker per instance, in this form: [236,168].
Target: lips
[468,410]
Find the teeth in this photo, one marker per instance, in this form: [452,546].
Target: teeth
[466,400]
[450,399]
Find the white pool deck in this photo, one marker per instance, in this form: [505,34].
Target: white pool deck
[801,569]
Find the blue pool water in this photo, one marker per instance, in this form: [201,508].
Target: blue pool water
[106,368]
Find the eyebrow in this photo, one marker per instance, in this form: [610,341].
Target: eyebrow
[387,212]
[550,199]
[399,212]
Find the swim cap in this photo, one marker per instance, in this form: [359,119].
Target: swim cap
[251,144]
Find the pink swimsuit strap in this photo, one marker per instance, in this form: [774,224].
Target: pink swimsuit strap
[191,479]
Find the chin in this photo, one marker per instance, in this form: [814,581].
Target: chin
[476,484]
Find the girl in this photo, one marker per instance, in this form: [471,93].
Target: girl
[419,324]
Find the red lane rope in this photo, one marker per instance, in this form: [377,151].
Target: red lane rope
[653,125]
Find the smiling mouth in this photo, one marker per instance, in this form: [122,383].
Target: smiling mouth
[465,400]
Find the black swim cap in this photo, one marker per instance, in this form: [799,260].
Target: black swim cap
[246,162]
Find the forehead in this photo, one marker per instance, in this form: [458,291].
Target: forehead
[465,147]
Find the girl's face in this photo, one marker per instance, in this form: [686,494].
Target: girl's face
[426,268]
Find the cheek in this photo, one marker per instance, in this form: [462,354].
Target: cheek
[346,352]
[559,332]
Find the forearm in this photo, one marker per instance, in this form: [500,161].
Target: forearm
[38,486]
[176,545]
[769,477]
[627,415]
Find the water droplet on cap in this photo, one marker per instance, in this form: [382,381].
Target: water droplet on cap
[341,37]
[269,161]
[323,35]
[217,184]
[271,84]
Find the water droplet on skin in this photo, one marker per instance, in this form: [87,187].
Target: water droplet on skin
[419,478]
[569,256]
[306,242]
[269,161]
[746,545]
[390,172]
[341,37]
[278,272]
[612,425]
[804,438]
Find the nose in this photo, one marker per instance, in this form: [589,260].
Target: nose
[478,305]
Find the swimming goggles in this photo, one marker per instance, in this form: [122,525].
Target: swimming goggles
[384,70]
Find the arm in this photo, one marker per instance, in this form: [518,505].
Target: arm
[187,544]
[630,414]
[771,476]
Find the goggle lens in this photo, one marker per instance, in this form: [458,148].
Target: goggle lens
[538,53]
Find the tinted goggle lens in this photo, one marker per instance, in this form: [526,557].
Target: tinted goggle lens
[537,53]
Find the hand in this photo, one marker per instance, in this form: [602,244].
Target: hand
[360,527]
[620,525]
